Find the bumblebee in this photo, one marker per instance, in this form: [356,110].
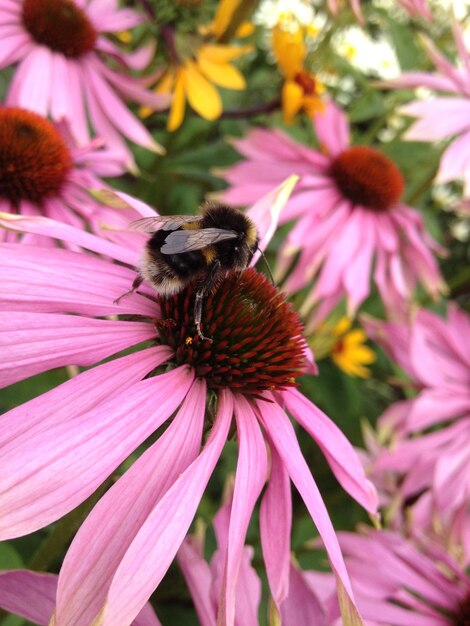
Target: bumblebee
[200,250]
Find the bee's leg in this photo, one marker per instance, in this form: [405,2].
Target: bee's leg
[138,280]
[203,291]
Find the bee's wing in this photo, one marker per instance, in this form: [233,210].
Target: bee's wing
[163,222]
[180,241]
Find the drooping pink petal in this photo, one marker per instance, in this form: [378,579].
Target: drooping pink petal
[340,455]
[29,594]
[46,475]
[275,527]
[302,607]
[282,435]
[249,480]
[198,577]
[160,537]
[93,558]
[32,596]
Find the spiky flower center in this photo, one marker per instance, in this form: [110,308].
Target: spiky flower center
[367,177]
[462,617]
[256,336]
[60,25]
[34,159]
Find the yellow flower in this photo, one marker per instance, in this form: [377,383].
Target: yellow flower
[301,89]
[349,351]
[199,63]
[193,80]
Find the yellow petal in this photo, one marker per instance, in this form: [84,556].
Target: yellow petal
[202,95]
[177,104]
[219,53]
[292,99]
[245,30]
[221,74]
[313,104]
[350,368]
[342,326]
[223,15]
[289,50]
[167,81]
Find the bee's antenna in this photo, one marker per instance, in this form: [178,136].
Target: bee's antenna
[267,266]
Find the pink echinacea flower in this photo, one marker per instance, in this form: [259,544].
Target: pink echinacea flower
[348,216]
[399,582]
[60,49]
[43,172]
[32,595]
[58,448]
[446,117]
[428,435]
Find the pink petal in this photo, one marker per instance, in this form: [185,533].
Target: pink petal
[275,526]
[332,129]
[439,118]
[161,535]
[265,213]
[63,232]
[118,114]
[32,596]
[13,48]
[282,434]
[47,474]
[198,577]
[340,455]
[93,558]
[249,481]
[48,288]
[32,81]
[302,607]
[32,343]
[456,160]
[421,79]
[29,594]
[80,394]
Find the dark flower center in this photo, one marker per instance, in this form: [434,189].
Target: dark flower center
[60,25]
[34,159]
[462,617]
[306,82]
[367,177]
[257,337]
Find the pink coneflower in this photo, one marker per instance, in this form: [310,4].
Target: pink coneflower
[429,434]
[32,596]
[42,172]
[348,216]
[57,448]
[60,51]
[398,582]
[444,117]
